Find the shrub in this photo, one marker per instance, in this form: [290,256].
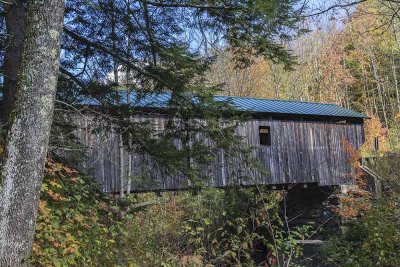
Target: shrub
[373,239]
[75,224]
[218,227]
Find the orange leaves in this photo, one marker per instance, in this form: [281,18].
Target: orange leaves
[357,201]
[348,212]
[353,153]
[65,249]
[55,168]
[55,196]
[355,161]
[355,204]
[58,170]
[374,128]
[73,219]
[74,179]
[360,193]
[70,250]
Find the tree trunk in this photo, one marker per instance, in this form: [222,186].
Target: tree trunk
[396,85]
[380,89]
[15,22]
[128,101]
[28,137]
[121,167]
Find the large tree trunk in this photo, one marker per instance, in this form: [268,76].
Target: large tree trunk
[30,129]
[15,21]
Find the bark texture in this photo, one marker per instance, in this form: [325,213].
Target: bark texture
[29,132]
[15,22]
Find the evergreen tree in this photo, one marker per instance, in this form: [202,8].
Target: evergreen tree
[160,46]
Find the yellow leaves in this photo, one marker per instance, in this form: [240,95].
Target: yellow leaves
[70,238]
[42,206]
[70,233]
[37,249]
[55,183]
[374,128]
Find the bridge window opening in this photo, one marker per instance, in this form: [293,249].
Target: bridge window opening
[265,135]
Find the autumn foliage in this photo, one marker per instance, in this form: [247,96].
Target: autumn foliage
[373,128]
[75,225]
[357,201]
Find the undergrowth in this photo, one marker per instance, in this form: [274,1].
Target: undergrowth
[372,237]
[78,225]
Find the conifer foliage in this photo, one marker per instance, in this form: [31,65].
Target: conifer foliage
[142,46]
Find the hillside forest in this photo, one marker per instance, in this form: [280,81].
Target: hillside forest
[59,57]
[351,61]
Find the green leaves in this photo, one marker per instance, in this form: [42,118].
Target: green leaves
[77,226]
[373,240]
[73,226]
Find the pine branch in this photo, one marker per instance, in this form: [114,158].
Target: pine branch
[175,5]
[72,77]
[104,49]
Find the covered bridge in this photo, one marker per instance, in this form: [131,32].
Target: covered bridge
[295,142]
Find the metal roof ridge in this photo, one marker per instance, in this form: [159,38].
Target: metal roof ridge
[250,97]
[279,100]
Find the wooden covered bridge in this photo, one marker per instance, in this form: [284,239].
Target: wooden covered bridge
[296,143]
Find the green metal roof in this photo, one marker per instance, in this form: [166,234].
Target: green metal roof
[248,104]
[290,107]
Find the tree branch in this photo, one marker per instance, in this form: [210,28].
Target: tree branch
[72,77]
[189,5]
[333,7]
[115,55]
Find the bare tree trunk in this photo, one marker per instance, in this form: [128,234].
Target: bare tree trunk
[396,85]
[366,90]
[121,167]
[28,137]
[380,90]
[347,105]
[129,174]
[15,22]
[129,181]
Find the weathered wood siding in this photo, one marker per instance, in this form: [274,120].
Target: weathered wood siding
[300,152]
